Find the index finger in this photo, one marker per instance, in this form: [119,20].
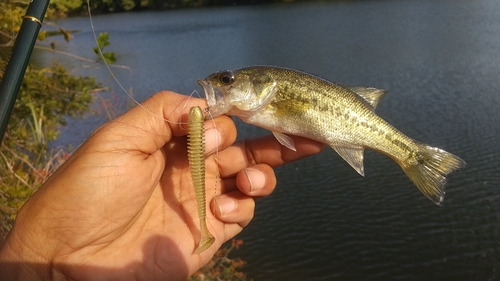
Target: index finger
[264,150]
[150,125]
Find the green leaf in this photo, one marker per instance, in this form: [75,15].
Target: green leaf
[103,42]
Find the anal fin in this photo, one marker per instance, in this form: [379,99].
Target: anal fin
[353,156]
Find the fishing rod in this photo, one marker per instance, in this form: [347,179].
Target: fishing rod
[19,58]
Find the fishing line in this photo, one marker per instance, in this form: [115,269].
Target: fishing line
[216,157]
[118,82]
[206,111]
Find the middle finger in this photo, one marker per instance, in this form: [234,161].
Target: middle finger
[263,150]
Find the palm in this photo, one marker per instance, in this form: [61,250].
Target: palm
[157,230]
[123,206]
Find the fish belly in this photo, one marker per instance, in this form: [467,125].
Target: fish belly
[350,131]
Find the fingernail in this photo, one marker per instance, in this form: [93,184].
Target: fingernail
[226,205]
[256,179]
[212,140]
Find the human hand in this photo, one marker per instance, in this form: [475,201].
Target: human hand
[123,205]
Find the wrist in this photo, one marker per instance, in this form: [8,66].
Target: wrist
[19,261]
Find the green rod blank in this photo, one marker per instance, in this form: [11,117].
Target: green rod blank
[19,58]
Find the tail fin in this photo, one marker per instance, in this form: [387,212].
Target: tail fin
[430,171]
[206,240]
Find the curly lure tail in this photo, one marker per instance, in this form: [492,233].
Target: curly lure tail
[196,157]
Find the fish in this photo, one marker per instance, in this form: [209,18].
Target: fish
[291,102]
[196,159]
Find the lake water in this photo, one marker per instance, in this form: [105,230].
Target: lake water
[440,61]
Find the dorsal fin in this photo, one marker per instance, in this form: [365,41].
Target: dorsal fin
[371,95]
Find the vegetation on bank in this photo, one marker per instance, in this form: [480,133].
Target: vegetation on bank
[47,96]
[108,6]
[78,7]
[221,267]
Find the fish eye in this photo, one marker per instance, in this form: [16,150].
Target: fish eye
[226,77]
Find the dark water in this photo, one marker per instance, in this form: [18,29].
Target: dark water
[440,61]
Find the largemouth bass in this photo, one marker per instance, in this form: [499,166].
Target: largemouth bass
[196,158]
[287,101]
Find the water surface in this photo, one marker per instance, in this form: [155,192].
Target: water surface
[440,61]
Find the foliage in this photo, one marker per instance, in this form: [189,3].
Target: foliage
[62,7]
[221,267]
[47,95]
[66,6]
[10,22]
[102,42]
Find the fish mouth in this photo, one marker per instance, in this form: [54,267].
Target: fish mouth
[217,105]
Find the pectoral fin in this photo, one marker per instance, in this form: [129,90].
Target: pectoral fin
[284,140]
[353,156]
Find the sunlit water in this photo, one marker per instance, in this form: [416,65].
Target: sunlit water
[440,61]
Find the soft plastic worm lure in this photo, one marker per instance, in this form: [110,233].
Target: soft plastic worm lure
[196,157]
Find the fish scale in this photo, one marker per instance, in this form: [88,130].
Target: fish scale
[291,102]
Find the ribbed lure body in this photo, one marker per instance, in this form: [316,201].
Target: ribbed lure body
[196,157]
